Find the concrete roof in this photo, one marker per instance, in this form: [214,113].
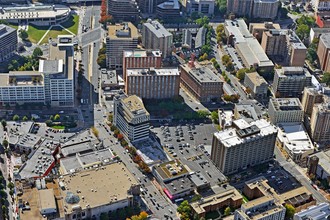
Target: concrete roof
[175,166]
[122,31]
[47,199]
[135,105]
[170,4]
[202,74]
[153,71]
[157,29]
[5,30]
[286,104]
[142,53]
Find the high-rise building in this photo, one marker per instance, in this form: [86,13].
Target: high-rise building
[8,42]
[285,45]
[257,29]
[311,96]
[265,8]
[205,7]
[284,110]
[323,51]
[257,84]
[240,7]
[246,144]
[169,10]
[156,37]
[123,10]
[131,117]
[201,82]
[141,59]
[53,84]
[291,81]
[153,83]
[120,37]
[320,123]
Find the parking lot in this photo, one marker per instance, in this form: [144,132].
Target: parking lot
[234,56]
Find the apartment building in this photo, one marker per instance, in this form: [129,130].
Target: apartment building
[52,84]
[240,7]
[257,84]
[257,29]
[169,10]
[153,83]
[291,81]
[285,46]
[141,59]
[265,8]
[123,10]
[320,123]
[205,7]
[323,51]
[156,37]
[8,42]
[201,82]
[285,110]
[131,117]
[120,37]
[245,144]
[311,96]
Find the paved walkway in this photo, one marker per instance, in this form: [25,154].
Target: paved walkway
[45,35]
[67,30]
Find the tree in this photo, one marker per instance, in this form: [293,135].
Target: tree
[101,61]
[15,118]
[227,211]
[225,59]
[3,123]
[57,117]
[110,117]
[25,118]
[206,49]
[240,74]
[184,209]
[49,123]
[215,117]
[196,198]
[290,210]
[203,113]
[326,78]
[5,143]
[23,34]
[203,21]
[37,52]
[10,185]
[95,131]
[230,66]
[302,31]
[203,57]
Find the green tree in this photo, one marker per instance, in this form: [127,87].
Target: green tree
[5,143]
[37,52]
[203,113]
[203,21]
[25,118]
[290,210]
[11,192]
[15,118]
[240,74]
[101,61]
[196,198]
[227,211]
[303,31]
[3,123]
[102,50]
[326,78]
[23,34]
[203,57]
[225,59]
[57,117]
[10,185]
[206,49]
[215,117]
[184,209]
[3,193]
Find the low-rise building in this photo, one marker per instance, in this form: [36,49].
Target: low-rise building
[8,42]
[257,84]
[283,110]
[131,117]
[291,81]
[201,82]
[153,83]
[318,164]
[249,110]
[316,32]
[317,212]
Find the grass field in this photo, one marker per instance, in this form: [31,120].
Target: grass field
[58,126]
[36,32]
[72,24]
[53,33]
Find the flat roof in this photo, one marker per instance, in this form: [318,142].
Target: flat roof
[325,38]
[264,26]
[109,77]
[256,79]
[198,179]
[320,211]
[202,74]
[157,28]
[100,186]
[47,199]
[170,4]
[179,185]
[286,104]
[142,53]
[5,30]
[324,160]
[135,105]
[122,31]
[171,169]
[153,71]
[230,137]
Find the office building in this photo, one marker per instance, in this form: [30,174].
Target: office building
[317,212]
[265,9]
[317,32]
[257,85]
[247,46]
[320,5]
[120,37]
[319,166]
[323,51]
[205,7]
[201,82]
[320,123]
[246,144]
[94,191]
[131,117]
[141,59]
[37,14]
[153,83]
[53,84]
[284,110]
[257,29]
[123,10]
[240,7]
[8,42]
[311,96]
[169,10]
[285,46]
[291,81]
[156,37]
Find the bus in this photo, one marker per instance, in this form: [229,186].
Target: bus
[178,200]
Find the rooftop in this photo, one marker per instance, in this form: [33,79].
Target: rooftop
[98,187]
[234,136]
[286,104]
[157,29]
[122,31]
[324,159]
[202,74]
[109,77]
[317,212]
[153,71]
[135,105]
[249,110]
[179,185]
[265,26]
[5,30]
[47,199]
[171,169]
[170,4]
[325,38]
[256,79]
[142,53]
[293,71]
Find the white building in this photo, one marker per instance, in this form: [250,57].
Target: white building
[205,7]
[317,212]
[283,110]
[131,118]
[53,84]
[265,8]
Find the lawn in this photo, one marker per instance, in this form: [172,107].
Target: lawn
[53,33]
[36,32]
[72,24]
[58,126]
